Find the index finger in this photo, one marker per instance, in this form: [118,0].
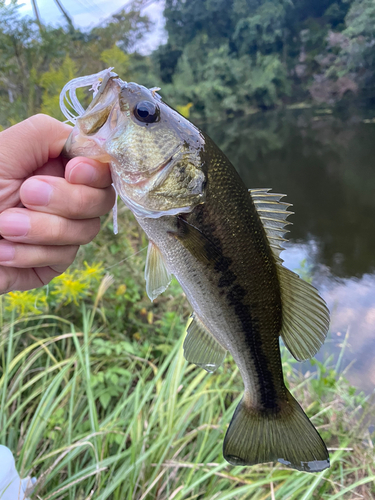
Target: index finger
[28,145]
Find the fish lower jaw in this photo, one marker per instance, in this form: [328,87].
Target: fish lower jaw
[144,212]
[135,180]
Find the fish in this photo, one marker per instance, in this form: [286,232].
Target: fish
[222,242]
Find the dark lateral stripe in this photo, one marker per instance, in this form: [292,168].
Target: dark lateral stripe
[236,294]
[208,250]
[250,326]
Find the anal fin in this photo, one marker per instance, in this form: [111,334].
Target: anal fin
[201,348]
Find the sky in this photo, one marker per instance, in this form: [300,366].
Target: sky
[89,13]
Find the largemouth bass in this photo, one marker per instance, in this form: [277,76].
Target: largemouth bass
[222,243]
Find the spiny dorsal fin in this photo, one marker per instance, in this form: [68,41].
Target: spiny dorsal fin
[156,274]
[273,214]
[201,348]
[305,314]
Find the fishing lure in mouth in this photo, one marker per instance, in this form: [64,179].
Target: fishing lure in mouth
[222,243]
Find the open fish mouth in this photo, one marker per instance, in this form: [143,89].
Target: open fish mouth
[70,106]
[82,139]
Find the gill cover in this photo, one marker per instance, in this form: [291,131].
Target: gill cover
[154,153]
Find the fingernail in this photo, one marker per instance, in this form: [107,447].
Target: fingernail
[7,252]
[82,173]
[36,192]
[13,224]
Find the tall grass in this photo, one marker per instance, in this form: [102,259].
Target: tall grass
[96,411]
[162,436]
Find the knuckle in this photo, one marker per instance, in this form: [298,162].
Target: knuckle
[93,227]
[105,200]
[63,256]
[110,196]
[6,281]
[59,230]
[37,118]
[70,254]
[41,118]
[78,205]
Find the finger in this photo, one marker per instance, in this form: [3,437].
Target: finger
[73,201]
[29,144]
[90,172]
[54,167]
[13,278]
[26,256]
[22,225]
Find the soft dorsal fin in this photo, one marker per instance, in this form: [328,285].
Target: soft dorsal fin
[201,348]
[305,314]
[273,214]
[156,274]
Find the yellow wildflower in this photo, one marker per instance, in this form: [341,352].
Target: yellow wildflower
[121,290]
[26,302]
[185,110]
[93,272]
[70,288]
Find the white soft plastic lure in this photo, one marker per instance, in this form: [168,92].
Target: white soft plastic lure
[69,103]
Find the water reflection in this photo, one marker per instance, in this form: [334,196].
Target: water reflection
[352,305]
[325,163]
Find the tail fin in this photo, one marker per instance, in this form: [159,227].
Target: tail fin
[285,435]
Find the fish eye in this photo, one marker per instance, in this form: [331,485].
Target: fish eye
[146,112]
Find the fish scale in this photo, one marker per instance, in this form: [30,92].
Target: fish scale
[223,245]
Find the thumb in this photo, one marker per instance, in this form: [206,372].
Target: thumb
[28,145]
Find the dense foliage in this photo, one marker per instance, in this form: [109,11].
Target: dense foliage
[222,58]
[231,57]
[35,63]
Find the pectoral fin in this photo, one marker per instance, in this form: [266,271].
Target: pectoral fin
[156,274]
[201,348]
[197,243]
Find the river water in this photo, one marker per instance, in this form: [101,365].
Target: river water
[324,160]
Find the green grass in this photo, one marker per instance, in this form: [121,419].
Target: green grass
[98,402]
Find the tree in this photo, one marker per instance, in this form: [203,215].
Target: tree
[35,64]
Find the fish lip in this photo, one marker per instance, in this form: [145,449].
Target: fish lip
[72,149]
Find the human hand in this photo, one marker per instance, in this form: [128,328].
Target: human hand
[48,206]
